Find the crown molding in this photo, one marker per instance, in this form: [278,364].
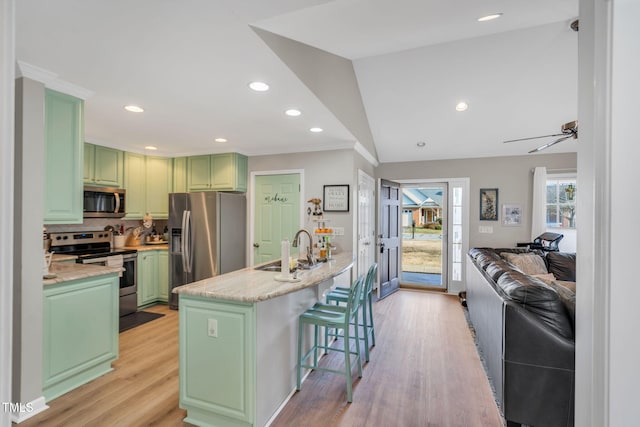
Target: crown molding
[51,80]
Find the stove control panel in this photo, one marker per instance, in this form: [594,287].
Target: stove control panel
[60,239]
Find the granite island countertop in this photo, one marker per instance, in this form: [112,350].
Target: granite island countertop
[251,285]
[67,272]
[152,247]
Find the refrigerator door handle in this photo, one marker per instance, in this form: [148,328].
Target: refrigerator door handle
[187,240]
[183,238]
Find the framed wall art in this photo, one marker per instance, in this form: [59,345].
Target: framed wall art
[511,214]
[488,204]
[336,198]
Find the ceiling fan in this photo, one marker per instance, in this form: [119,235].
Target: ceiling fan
[569,130]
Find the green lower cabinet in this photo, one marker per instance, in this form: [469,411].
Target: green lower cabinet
[153,277]
[80,335]
[163,276]
[217,391]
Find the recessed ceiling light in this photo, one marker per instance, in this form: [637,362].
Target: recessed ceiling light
[421,144]
[462,106]
[150,147]
[315,130]
[489,17]
[293,112]
[134,108]
[259,86]
[220,140]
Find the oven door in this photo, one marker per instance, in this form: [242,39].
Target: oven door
[128,281]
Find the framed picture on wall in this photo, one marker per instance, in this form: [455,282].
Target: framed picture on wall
[336,198]
[488,204]
[511,214]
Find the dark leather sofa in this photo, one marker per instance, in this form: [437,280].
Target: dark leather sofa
[525,331]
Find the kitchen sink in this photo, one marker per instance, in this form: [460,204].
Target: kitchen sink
[275,266]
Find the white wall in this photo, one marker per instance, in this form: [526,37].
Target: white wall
[7,70]
[28,251]
[607,372]
[511,175]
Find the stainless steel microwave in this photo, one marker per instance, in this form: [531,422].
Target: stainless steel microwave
[101,202]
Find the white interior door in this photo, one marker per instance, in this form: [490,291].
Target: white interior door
[366,222]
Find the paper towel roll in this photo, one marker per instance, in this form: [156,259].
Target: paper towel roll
[284,258]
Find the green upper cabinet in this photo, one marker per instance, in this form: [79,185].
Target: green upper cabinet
[159,183]
[148,182]
[199,173]
[135,185]
[64,134]
[103,166]
[180,175]
[217,172]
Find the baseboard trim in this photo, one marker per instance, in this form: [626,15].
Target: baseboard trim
[36,406]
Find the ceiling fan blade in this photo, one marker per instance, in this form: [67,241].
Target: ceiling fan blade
[533,137]
[542,147]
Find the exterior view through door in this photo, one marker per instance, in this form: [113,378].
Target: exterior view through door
[424,223]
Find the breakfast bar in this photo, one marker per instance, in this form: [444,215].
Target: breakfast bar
[238,341]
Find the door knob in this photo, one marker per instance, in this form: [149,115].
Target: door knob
[256,245]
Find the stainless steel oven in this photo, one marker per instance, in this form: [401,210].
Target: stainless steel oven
[94,247]
[128,281]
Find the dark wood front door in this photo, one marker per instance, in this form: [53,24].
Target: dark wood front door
[389,210]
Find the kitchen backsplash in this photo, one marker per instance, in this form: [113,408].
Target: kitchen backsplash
[95,224]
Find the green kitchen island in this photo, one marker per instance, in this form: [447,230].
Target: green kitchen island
[238,341]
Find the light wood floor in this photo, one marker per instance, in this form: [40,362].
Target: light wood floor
[424,371]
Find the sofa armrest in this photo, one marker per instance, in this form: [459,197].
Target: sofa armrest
[539,371]
[530,341]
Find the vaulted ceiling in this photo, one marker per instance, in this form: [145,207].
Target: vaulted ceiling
[384,74]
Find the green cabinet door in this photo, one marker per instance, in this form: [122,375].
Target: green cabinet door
[135,185]
[80,335]
[163,276]
[159,183]
[229,172]
[180,175]
[63,158]
[147,277]
[103,166]
[199,173]
[108,166]
[89,163]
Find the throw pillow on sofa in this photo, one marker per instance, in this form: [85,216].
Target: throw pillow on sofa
[562,265]
[527,263]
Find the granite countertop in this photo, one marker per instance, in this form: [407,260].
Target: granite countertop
[67,272]
[250,285]
[143,248]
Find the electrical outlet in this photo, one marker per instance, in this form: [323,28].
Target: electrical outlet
[338,231]
[212,329]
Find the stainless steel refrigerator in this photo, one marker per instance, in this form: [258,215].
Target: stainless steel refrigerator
[207,236]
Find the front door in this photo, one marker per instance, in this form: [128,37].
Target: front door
[277,214]
[389,211]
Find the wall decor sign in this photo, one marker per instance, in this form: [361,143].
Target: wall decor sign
[511,214]
[488,204]
[336,198]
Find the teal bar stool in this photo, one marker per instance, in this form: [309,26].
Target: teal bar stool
[338,318]
[341,294]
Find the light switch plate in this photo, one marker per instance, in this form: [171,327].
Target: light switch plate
[338,231]
[485,229]
[212,328]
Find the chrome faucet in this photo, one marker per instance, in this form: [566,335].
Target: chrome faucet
[310,258]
